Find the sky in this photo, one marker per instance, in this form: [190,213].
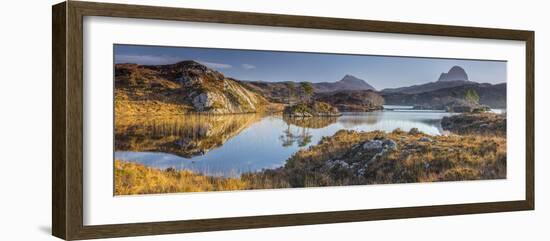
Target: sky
[273,66]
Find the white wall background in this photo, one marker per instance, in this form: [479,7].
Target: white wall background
[25,123]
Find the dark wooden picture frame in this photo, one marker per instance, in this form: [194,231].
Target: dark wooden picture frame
[67,152]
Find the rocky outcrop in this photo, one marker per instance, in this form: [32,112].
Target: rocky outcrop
[359,158]
[481,123]
[231,99]
[460,106]
[189,84]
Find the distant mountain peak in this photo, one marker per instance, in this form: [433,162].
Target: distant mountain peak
[351,78]
[348,82]
[454,74]
[353,81]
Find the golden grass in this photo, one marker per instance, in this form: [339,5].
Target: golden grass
[133,178]
[125,106]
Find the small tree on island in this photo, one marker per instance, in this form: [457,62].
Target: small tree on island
[291,86]
[471,96]
[307,89]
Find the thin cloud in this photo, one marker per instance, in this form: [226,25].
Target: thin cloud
[248,66]
[162,59]
[215,65]
[146,59]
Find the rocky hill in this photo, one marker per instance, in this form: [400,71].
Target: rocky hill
[183,87]
[277,92]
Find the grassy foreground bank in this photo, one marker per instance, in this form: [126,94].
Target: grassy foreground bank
[133,178]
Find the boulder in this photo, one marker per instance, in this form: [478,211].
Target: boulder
[390,145]
[414,131]
[202,102]
[373,145]
[337,164]
[379,146]
[425,139]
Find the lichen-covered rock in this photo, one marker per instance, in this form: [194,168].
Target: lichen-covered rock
[337,164]
[414,131]
[425,139]
[390,145]
[202,102]
[376,148]
[373,145]
[234,99]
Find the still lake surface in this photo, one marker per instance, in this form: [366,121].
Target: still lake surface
[268,141]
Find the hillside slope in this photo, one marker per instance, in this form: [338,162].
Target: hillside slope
[427,87]
[493,96]
[179,88]
[279,92]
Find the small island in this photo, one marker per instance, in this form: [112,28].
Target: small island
[311,109]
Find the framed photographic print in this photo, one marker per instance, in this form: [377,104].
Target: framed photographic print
[170,120]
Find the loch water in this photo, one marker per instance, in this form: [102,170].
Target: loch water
[231,145]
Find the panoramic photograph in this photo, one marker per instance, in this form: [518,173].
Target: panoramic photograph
[190,119]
